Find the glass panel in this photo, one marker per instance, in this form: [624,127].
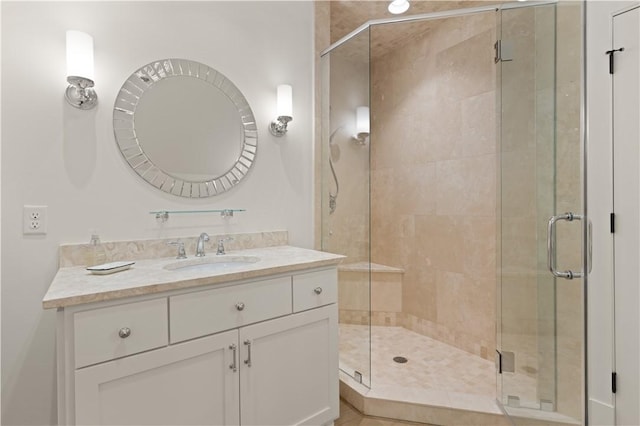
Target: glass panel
[345,200]
[528,197]
[570,366]
[433,196]
[540,317]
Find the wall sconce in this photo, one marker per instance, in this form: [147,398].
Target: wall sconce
[284,110]
[362,124]
[80,70]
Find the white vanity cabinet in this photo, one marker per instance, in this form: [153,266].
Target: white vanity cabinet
[261,352]
[187,384]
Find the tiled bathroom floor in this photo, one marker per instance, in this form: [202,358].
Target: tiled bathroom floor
[460,385]
[443,374]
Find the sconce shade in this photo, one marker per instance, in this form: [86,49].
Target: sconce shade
[79,55]
[362,120]
[284,110]
[79,93]
[362,125]
[285,101]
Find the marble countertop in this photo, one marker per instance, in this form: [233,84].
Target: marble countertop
[75,285]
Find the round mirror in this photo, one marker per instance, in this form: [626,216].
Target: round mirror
[185,128]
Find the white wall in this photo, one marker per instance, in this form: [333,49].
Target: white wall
[67,159]
[599,199]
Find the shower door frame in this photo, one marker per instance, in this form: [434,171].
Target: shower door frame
[583,156]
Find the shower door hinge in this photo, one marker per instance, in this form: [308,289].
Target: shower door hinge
[504,51]
[614,382]
[505,362]
[612,222]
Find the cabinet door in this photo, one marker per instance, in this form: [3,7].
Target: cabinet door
[293,374]
[190,383]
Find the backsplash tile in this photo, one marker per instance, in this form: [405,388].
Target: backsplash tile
[76,254]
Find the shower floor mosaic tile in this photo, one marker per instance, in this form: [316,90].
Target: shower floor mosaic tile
[448,375]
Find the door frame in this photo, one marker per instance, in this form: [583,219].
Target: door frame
[624,341]
[599,399]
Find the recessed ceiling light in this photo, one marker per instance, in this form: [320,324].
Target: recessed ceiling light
[398,6]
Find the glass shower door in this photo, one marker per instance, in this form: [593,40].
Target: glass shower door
[540,320]
[346,200]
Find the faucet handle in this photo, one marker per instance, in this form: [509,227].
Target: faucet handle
[221,242]
[181,252]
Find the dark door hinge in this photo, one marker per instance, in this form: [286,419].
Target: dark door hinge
[498,362]
[612,222]
[610,53]
[614,382]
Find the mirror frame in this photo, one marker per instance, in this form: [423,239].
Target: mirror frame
[125,133]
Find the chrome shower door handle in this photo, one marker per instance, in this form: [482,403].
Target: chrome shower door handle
[551,246]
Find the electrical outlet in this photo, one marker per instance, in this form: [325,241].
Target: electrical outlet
[34,220]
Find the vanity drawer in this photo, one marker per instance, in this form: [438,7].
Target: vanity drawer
[315,289]
[117,331]
[206,312]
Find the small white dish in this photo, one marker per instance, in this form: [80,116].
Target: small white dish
[110,268]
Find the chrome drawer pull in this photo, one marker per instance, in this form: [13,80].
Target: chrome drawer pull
[240,306]
[248,360]
[124,332]
[234,366]
[318,290]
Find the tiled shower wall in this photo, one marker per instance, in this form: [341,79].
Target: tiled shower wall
[433,176]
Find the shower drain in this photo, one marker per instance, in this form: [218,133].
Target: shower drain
[400,359]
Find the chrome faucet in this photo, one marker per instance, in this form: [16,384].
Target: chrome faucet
[204,237]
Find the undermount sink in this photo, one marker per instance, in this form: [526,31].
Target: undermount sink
[216,263]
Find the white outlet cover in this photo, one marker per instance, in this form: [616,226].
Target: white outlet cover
[34,220]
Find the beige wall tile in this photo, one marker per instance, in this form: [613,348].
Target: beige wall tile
[466,69]
[433,160]
[467,186]
[478,131]
[386,292]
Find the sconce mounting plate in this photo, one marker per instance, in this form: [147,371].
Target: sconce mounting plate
[278,127]
[80,94]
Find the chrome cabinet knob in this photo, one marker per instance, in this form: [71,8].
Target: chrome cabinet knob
[124,332]
[318,290]
[240,306]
